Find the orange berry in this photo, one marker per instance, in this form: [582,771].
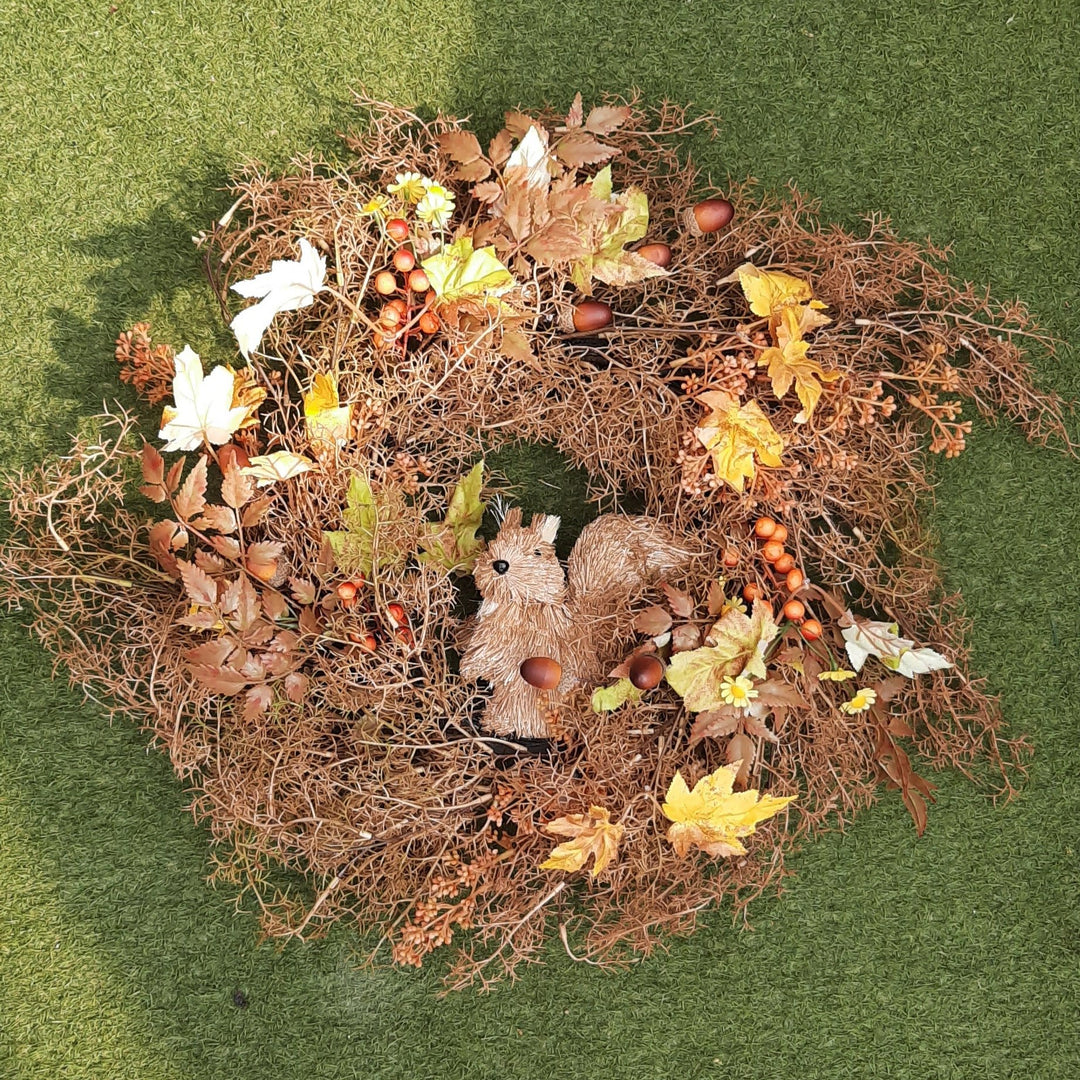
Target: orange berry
[346,590]
[772,551]
[794,580]
[794,610]
[784,563]
[390,317]
[780,534]
[404,635]
[397,229]
[385,283]
[348,602]
[429,322]
[399,306]
[404,260]
[396,614]
[418,281]
[731,558]
[811,630]
[753,591]
[384,341]
[367,642]
[764,527]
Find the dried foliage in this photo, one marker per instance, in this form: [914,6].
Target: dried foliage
[319,718]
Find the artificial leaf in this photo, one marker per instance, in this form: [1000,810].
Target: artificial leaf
[789,363]
[222,680]
[514,345]
[200,587]
[593,834]
[736,435]
[680,601]
[865,638]
[256,701]
[715,724]
[713,817]
[453,543]
[353,547]
[296,686]
[530,163]
[517,123]
[460,273]
[228,547]
[576,113]
[288,285]
[189,499]
[609,698]
[256,511]
[737,645]
[212,564]
[486,192]
[203,411]
[247,395]
[274,605]
[236,488]
[153,474]
[604,119]
[327,420]
[653,621]
[280,465]
[212,653]
[303,590]
[219,518]
[261,558]
[579,148]
[768,290]
[459,146]
[499,148]
[166,537]
[685,637]
[472,172]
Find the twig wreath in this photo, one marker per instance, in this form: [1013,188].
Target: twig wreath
[288,620]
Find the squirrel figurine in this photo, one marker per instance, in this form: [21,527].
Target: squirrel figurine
[530,609]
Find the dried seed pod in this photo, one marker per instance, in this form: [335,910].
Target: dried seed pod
[646,671]
[543,672]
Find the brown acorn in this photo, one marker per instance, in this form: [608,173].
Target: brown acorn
[646,671]
[660,254]
[542,672]
[591,315]
[708,216]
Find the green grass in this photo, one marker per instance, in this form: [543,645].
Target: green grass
[957,955]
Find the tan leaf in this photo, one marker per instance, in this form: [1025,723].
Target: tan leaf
[172,478]
[518,124]
[499,148]
[604,119]
[716,598]
[220,518]
[212,564]
[593,834]
[472,171]
[212,653]
[228,547]
[653,621]
[222,680]
[247,604]
[261,558]
[303,590]
[578,149]
[486,192]
[515,346]
[200,587]
[256,701]
[236,488]
[256,511]
[274,605]
[296,686]
[576,113]
[460,146]
[190,500]
[680,601]
[715,724]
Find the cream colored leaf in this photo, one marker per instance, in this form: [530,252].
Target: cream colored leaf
[203,410]
[280,465]
[865,638]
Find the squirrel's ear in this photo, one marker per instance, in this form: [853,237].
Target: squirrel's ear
[548,526]
[512,518]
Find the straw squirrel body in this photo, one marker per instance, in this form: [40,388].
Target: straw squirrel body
[530,608]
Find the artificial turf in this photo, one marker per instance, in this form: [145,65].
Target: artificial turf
[957,955]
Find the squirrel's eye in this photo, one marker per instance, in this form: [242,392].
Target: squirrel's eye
[538,552]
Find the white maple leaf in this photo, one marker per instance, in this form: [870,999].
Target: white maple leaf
[865,638]
[532,155]
[288,285]
[280,465]
[203,410]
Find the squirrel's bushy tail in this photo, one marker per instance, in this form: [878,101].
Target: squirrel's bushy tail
[615,556]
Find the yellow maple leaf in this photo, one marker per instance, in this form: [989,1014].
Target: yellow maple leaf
[734,435]
[592,834]
[768,290]
[327,419]
[713,816]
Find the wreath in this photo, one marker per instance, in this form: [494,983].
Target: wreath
[283,607]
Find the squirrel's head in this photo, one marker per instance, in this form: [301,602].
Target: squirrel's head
[520,564]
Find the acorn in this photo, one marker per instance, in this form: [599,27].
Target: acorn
[542,672]
[232,456]
[708,216]
[591,315]
[660,254]
[646,671]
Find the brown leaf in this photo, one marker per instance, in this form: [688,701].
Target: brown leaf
[251,668]
[778,694]
[303,590]
[604,119]
[154,492]
[500,147]
[296,686]
[755,725]
[518,124]
[716,598]
[153,465]
[166,537]
[472,171]
[460,146]
[486,192]
[228,546]
[515,346]
[685,637]
[212,564]
[578,149]
[236,488]
[254,513]
[682,607]
[247,604]
[220,518]
[189,500]
[887,689]
[222,680]
[653,621]
[258,634]
[274,605]
[308,622]
[574,116]
[200,620]
[714,724]
[518,210]
[897,725]
[200,587]
[211,653]
[256,701]
[172,480]
[261,558]
[557,242]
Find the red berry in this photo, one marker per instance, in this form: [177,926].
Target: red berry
[404,635]
[404,260]
[397,229]
[811,630]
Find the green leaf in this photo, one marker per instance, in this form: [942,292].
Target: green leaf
[453,543]
[354,546]
[459,273]
[609,698]
[601,184]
